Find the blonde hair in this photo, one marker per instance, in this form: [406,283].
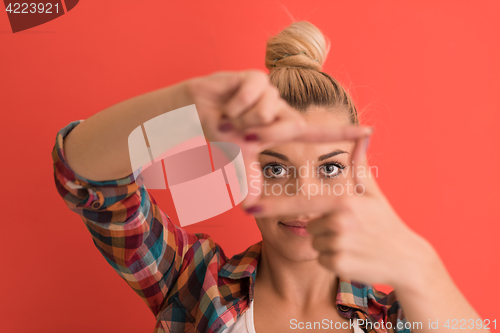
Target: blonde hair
[295,58]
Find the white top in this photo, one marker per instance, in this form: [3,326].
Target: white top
[244,324]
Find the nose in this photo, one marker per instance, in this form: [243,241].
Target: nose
[306,181]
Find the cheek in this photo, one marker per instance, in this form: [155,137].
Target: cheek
[266,224]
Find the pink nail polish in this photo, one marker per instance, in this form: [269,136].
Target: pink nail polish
[251,137]
[225,127]
[254,209]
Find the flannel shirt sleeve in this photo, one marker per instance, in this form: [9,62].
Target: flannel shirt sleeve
[135,237]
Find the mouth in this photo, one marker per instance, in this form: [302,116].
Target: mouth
[297,228]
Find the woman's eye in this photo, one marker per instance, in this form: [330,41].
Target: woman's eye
[275,171]
[330,170]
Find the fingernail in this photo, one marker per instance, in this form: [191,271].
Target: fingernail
[225,127]
[251,137]
[254,209]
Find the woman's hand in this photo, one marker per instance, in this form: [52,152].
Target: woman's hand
[364,239]
[246,109]
[245,103]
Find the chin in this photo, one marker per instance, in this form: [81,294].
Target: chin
[299,250]
[288,238]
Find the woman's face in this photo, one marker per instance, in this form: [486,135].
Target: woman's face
[308,170]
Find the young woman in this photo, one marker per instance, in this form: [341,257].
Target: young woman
[318,256]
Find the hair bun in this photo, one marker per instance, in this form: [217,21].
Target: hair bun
[300,45]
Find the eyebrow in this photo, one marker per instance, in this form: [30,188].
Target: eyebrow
[333,153]
[272,153]
[321,158]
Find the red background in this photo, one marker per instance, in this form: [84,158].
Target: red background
[425,74]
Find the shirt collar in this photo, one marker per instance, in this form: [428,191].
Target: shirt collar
[242,265]
[350,294]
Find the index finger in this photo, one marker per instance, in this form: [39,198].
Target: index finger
[363,178]
[325,133]
[289,128]
[293,204]
[253,84]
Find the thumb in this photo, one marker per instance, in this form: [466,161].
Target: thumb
[219,86]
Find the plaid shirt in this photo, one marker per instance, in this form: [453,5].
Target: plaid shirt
[185,279]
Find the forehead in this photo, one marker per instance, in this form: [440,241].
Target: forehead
[310,151]
[320,115]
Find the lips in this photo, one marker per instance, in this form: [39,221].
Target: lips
[297,228]
[297,224]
